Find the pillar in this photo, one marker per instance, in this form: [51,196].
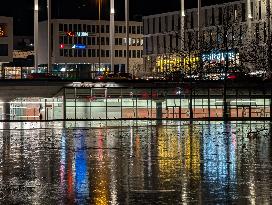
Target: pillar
[2,69]
[6,111]
[159,111]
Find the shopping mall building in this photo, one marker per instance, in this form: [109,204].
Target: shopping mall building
[237,31]
[78,47]
[6,40]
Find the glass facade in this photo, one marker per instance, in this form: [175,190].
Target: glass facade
[112,103]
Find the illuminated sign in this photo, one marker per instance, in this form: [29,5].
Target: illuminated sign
[82,34]
[79,34]
[79,46]
[219,56]
[3,30]
[70,33]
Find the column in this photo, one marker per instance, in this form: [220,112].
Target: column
[6,111]
[159,111]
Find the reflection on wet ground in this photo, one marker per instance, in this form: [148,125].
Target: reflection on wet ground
[173,163]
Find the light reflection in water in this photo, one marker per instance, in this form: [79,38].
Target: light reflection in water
[180,163]
[81,172]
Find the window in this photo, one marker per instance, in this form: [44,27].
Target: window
[252,9]
[75,53]
[134,54]
[93,53]
[79,27]
[264,32]
[138,29]
[70,40]
[89,28]
[107,53]
[66,52]
[192,20]
[89,52]
[107,41]
[60,27]
[120,53]
[84,52]
[93,40]
[65,29]
[173,23]
[84,27]
[98,53]
[212,16]
[116,53]
[120,29]
[93,29]
[102,53]
[138,54]
[70,53]
[98,41]
[80,53]
[243,12]
[107,28]
[80,40]
[89,41]
[235,12]
[166,23]
[220,16]
[97,29]
[260,10]
[102,29]
[159,24]
[116,29]
[102,40]
[61,52]
[70,27]
[75,27]
[206,17]
[61,40]
[65,40]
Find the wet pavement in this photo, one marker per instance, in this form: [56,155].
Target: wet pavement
[173,163]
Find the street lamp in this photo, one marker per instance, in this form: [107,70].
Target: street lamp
[127,32]
[49,36]
[112,12]
[36,34]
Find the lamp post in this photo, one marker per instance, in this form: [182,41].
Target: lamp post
[198,24]
[99,33]
[112,33]
[49,36]
[127,33]
[36,34]
[182,16]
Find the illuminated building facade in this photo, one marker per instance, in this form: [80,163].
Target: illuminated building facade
[79,46]
[238,28]
[6,39]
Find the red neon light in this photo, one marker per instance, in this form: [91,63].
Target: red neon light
[70,33]
[61,45]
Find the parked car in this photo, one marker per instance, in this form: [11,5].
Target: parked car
[43,76]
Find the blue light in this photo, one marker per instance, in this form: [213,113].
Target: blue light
[79,46]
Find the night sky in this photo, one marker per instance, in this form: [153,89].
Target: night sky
[22,10]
